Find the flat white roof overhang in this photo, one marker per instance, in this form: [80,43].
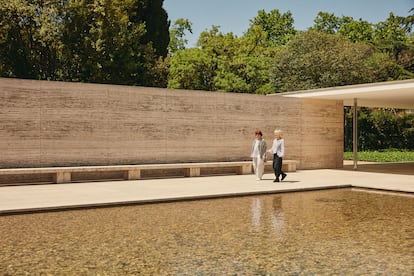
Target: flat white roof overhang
[391,94]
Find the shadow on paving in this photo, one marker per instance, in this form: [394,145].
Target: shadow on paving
[406,168]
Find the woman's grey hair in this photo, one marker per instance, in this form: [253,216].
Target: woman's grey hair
[278,131]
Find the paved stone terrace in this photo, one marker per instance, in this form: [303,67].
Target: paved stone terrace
[28,198]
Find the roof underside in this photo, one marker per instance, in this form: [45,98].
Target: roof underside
[392,94]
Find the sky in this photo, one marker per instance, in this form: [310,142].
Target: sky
[235,15]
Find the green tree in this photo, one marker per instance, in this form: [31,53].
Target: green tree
[177,35]
[278,26]
[380,128]
[393,36]
[326,23]
[84,40]
[382,67]
[223,62]
[245,67]
[152,13]
[409,21]
[314,60]
[193,69]
[408,130]
[30,38]
[356,31]
[101,45]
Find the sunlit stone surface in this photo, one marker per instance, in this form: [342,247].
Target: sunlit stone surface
[325,232]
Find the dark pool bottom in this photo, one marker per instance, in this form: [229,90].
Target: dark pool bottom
[322,232]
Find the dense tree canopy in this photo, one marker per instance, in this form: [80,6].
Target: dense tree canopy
[127,42]
[392,36]
[29,39]
[84,40]
[380,128]
[273,57]
[314,60]
[231,63]
[226,63]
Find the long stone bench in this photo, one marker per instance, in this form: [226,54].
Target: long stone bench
[133,172]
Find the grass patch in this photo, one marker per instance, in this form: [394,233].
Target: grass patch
[382,156]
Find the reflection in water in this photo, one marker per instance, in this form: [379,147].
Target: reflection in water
[322,232]
[256,212]
[275,218]
[277,215]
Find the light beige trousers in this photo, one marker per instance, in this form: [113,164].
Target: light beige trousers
[258,166]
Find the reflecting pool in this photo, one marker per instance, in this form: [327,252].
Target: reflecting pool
[320,232]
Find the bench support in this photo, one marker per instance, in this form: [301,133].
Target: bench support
[289,167]
[132,174]
[244,169]
[192,172]
[62,177]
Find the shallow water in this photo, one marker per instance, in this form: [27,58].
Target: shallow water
[321,232]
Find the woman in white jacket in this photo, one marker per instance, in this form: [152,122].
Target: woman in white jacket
[258,154]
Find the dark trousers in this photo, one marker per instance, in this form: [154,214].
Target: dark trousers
[277,165]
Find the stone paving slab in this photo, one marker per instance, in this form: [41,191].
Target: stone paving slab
[27,198]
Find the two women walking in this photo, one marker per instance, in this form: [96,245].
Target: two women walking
[259,155]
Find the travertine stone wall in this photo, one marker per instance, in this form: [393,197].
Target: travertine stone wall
[46,123]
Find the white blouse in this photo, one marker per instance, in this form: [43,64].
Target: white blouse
[256,152]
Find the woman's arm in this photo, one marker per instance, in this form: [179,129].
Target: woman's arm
[271,150]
